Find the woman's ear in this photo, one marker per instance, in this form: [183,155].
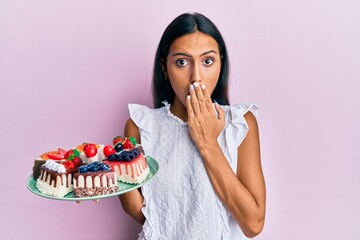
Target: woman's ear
[163,68]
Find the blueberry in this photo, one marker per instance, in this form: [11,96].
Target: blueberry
[93,168]
[112,157]
[123,155]
[118,147]
[136,152]
[105,167]
[117,157]
[130,156]
[83,169]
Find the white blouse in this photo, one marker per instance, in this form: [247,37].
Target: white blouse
[180,202]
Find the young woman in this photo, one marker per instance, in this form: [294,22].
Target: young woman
[210,183]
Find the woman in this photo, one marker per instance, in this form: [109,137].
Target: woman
[210,183]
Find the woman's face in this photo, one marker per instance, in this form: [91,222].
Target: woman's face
[193,58]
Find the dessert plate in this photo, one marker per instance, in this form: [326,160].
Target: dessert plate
[123,187]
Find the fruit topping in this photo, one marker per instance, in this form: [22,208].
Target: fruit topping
[133,140]
[117,139]
[68,165]
[90,150]
[77,161]
[61,151]
[80,148]
[124,156]
[127,144]
[94,167]
[55,156]
[71,154]
[105,167]
[108,150]
[119,147]
[86,145]
[112,157]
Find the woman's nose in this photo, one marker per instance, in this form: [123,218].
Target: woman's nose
[196,74]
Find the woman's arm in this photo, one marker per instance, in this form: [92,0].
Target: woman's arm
[132,201]
[243,193]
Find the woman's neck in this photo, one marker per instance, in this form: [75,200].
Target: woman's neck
[178,109]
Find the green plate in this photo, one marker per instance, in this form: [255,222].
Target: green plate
[123,187]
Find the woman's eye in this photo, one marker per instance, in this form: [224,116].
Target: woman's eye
[181,62]
[208,61]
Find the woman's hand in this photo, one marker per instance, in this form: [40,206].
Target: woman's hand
[205,123]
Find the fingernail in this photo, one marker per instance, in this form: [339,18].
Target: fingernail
[191,87]
[188,97]
[203,86]
[196,84]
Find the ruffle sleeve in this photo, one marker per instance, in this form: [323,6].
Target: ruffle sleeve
[235,129]
[238,128]
[143,118]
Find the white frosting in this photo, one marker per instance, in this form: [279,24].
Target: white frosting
[54,166]
[58,188]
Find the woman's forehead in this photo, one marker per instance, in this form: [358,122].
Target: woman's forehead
[194,44]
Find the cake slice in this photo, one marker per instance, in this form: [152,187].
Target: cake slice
[40,160]
[95,179]
[130,166]
[56,179]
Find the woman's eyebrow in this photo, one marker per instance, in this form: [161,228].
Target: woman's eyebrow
[187,55]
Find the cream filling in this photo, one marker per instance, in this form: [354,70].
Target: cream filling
[46,187]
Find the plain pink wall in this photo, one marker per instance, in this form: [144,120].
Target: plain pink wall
[68,69]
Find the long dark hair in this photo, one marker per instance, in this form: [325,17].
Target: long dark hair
[185,24]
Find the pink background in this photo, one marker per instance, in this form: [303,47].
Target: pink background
[68,69]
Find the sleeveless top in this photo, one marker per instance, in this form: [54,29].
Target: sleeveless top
[179,202]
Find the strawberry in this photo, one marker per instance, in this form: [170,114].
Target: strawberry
[133,140]
[77,161]
[70,164]
[117,139]
[91,151]
[55,156]
[68,154]
[61,151]
[65,165]
[71,154]
[86,145]
[127,144]
[108,150]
